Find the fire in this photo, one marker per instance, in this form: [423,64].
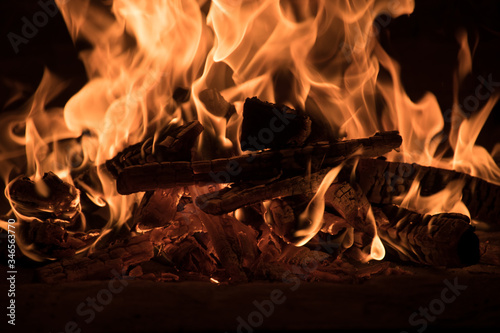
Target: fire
[311,220]
[319,56]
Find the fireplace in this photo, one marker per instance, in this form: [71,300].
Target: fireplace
[250,165]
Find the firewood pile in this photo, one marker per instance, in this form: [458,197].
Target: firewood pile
[240,218]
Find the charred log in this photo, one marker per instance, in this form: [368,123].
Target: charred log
[47,198]
[240,195]
[255,166]
[174,143]
[268,125]
[439,240]
[216,104]
[383,181]
[226,248]
[50,238]
[284,214]
[188,255]
[157,208]
[445,239]
[103,264]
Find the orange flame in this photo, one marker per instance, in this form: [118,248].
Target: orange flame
[311,220]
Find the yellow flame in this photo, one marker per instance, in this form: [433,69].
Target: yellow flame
[311,219]
[377,249]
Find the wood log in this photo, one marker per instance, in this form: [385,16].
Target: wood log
[240,195]
[438,240]
[188,255]
[445,239]
[225,247]
[103,264]
[350,202]
[283,216]
[193,239]
[174,143]
[49,197]
[184,244]
[282,219]
[260,165]
[157,208]
[50,239]
[294,263]
[383,181]
[216,104]
[269,125]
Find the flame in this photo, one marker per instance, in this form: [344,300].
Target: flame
[320,56]
[311,219]
[377,249]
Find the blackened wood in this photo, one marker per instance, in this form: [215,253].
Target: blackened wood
[269,125]
[174,143]
[240,195]
[103,264]
[216,104]
[284,214]
[225,247]
[51,197]
[260,165]
[438,240]
[282,219]
[383,181]
[157,208]
[445,239]
[188,255]
[50,239]
[350,202]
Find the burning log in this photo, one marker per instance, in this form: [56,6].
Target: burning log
[174,143]
[439,240]
[226,247]
[351,204]
[48,198]
[157,208]
[240,195]
[382,181]
[283,219]
[261,165]
[283,215]
[216,104]
[445,239]
[188,255]
[184,244]
[286,127]
[51,239]
[101,264]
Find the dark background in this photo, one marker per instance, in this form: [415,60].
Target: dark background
[425,45]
